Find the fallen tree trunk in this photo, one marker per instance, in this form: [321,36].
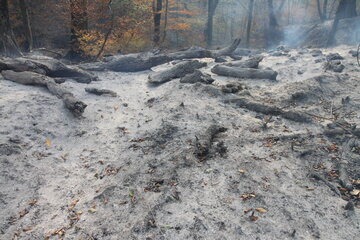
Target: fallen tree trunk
[270,110]
[198,52]
[177,71]
[49,67]
[141,62]
[135,64]
[193,52]
[227,51]
[76,106]
[249,63]
[248,73]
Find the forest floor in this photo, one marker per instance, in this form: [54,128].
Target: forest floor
[127,168]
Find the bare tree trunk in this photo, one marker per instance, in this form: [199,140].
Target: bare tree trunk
[346,9]
[325,6]
[8,45]
[108,32]
[157,7]
[321,14]
[281,6]
[306,6]
[250,17]
[27,26]
[165,20]
[332,9]
[79,25]
[273,35]
[322,10]
[212,4]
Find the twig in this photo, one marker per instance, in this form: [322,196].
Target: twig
[331,108]
[316,116]
[48,50]
[327,183]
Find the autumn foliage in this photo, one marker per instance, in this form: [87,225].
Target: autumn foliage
[130,24]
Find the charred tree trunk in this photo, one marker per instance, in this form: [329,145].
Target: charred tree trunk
[321,14]
[165,20]
[177,71]
[281,6]
[8,45]
[270,110]
[157,7]
[250,17]
[246,73]
[107,35]
[49,67]
[346,9]
[79,25]
[141,62]
[274,35]
[212,4]
[26,25]
[325,9]
[252,62]
[322,10]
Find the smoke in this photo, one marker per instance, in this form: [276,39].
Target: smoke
[348,31]
[316,34]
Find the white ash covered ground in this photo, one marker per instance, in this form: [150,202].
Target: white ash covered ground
[187,161]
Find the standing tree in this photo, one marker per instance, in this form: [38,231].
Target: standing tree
[79,26]
[250,17]
[8,45]
[165,20]
[157,7]
[108,33]
[212,4]
[26,25]
[346,9]
[322,11]
[273,34]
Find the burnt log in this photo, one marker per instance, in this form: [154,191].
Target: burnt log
[100,92]
[135,64]
[203,143]
[233,87]
[76,106]
[227,51]
[334,65]
[198,52]
[47,66]
[252,62]
[177,71]
[248,73]
[270,110]
[142,62]
[197,76]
